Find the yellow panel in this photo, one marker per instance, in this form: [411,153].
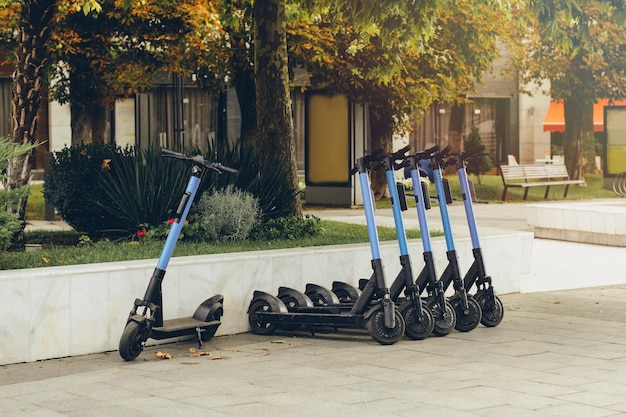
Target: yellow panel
[616,159]
[328,144]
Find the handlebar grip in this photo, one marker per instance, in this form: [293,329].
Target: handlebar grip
[171,154]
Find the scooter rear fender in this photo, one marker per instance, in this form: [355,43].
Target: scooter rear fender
[330,298]
[301,299]
[210,309]
[275,303]
[349,289]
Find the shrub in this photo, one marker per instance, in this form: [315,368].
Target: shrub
[227,214]
[141,188]
[72,186]
[288,227]
[474,145]
[253,176]
[12,199]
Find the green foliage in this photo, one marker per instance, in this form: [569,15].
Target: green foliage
[140,187]
[254,177]
[473,145]
[72,186]
[288,227]
[10,200]
[227,214]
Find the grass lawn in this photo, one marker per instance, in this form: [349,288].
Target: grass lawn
[490,191]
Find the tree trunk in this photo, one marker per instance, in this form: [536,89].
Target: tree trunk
[243,81]
[31,54]
[455,128]
[88,124]
[578,124]
[80,123]
[381,138]
[244,86]
[274,119]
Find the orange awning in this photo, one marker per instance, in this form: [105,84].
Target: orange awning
[555,120]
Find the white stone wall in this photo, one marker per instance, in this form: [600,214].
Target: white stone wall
[76,310]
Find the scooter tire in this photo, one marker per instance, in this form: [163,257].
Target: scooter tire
[257,326]
[417,328]
[492,309]
[467,320]
[444,318]
[383,334]
[291,303]
[131,342]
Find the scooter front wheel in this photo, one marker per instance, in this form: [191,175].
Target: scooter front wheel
[444,317]
[492,309]
[258,326]
[132,340]
[466,320]
[417,328]
[383,334]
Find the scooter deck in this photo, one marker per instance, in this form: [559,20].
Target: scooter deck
[312,318]
[184,326]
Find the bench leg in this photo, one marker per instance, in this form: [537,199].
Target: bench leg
[504,193]
[526,193]
[566,188]
[547,191]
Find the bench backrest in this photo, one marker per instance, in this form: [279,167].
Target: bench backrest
[529,172]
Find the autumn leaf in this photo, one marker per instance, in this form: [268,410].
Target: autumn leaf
[162,355]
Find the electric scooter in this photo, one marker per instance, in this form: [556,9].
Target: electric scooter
[373,308]
[442,311]
[491,306]
[146,317]
[418,319]
[468,312]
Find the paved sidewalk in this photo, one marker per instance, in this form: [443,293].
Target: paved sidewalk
[555,354]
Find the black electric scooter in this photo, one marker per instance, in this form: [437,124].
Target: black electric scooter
[373,308]
[146,317]
[442,311]
[491,306]
[467,309]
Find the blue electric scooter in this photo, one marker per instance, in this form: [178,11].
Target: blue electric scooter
[146,317]
[443,313]
[418,318]
[373,308]
[491,306]
[467,309]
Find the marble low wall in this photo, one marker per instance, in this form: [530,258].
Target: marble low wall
[597,222]
[66,311]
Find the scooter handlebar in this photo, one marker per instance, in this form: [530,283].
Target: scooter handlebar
[198,160]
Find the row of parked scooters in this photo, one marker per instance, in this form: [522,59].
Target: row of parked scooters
[412,307]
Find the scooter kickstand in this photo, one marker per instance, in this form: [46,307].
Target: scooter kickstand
[199,334]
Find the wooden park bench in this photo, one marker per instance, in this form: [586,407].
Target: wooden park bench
[544,175]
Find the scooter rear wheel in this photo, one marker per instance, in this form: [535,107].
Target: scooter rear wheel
[417,328]
[257,326]
[466,320]
[492,309]
[444,318]
[131,343]
[383,334]
[291,304]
